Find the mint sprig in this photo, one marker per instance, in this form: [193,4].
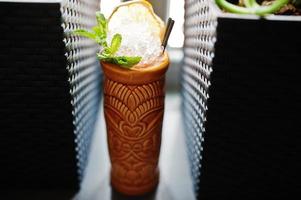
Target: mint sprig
[99,35]
[124,61]
[115,43]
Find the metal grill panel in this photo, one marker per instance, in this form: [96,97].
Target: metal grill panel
[84,73]
[251,145]
[50,86]
[200,37]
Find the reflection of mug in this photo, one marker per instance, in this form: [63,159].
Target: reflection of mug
[134,107]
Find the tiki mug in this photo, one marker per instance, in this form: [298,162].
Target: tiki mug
[134,107]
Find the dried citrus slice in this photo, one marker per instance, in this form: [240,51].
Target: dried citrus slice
[139,11]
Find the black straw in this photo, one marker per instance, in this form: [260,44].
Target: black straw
[168,30]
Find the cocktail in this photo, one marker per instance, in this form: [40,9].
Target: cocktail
[134,64]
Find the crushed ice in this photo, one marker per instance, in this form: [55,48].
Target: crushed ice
[138,38]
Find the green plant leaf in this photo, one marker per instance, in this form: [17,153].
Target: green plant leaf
[107,52]
[98,31]
[102,27]
[252,7]
[85,33]
[88,34]
[102,21]
[123,61]
[115,43]
[101,57]
[126,61]
[99,34]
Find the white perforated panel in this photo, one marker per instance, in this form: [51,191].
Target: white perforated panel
[199,51]
[84,72]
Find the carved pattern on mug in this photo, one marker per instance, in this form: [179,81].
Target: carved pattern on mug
[134,115]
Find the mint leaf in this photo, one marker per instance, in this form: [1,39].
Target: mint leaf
[101,20]
[107,52]
[130,61]
[90,35]
[102,28]
[99,34]
[123,61]
[85,33]
[98,30]
[102,57]
[126,61]
[115,43]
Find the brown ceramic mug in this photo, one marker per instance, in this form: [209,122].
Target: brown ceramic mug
[134,108]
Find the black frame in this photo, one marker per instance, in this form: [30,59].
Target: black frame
[250,144]
[50,93]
